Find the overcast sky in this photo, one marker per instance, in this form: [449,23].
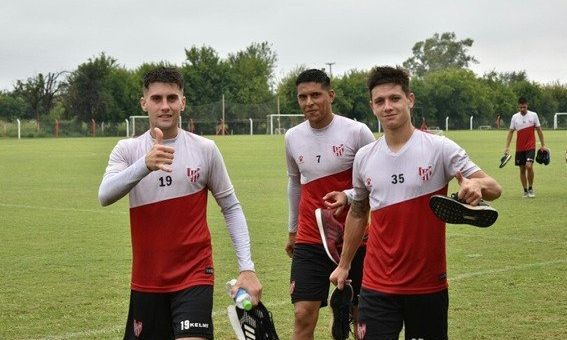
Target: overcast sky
[57,35]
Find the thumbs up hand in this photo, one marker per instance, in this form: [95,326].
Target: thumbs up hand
[160,156]
[470,190]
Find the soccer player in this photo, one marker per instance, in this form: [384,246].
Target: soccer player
[525,122]
[319,154]
[167,173]
[405,272]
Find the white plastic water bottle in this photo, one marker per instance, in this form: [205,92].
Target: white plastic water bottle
[242,300]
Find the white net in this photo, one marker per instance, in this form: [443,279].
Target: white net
[560,120]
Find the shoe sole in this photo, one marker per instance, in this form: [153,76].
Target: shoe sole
[319,218]
[455,212]
[235,322]
[508,157]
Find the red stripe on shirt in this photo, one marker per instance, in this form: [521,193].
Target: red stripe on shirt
[406,249]
[171,244]
[526,139]
[312,198]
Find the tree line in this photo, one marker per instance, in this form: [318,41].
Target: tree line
[103,90]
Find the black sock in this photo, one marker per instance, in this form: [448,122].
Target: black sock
[530,188]
[525,190]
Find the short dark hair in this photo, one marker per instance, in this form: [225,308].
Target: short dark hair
[314,75]
[163,74]
[388,75]
[522,100]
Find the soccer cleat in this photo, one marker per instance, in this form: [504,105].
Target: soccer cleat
[504,159]
[331,232]
[451,210]
[255,324]
[341,304]
[531,193]
[525,194]
[543,156]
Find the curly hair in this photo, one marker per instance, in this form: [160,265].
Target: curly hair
[162,74]
[388,75]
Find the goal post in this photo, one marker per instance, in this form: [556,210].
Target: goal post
[555,119]
[280,123]
[141,124]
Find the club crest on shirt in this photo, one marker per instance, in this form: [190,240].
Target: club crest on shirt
[368,182]
[425,173]
[137,328]
[339,150]
[193,174]
[300,159]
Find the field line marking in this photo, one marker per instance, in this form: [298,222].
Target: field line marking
[505,269]
[23,206]
[493,237]
[82,334]
[281,303]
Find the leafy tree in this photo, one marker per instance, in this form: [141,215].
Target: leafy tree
[439,52]
[454,93]
[251,71]
[506,78]
[559,94]
[39,93]
[287,91]
[352,98]
[126,92]
[243,78]
[500,95]
[205,75]
[100,89]
[12,107]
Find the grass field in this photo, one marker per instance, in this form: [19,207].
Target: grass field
[65,261]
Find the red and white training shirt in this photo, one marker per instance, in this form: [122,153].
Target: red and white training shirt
[525,126]
[321,160]
[171,242]
[406,245]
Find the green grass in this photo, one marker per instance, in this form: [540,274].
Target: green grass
[65,261]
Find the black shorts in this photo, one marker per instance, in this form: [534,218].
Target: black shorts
[381,316]
[310,271]
[187,313]
[522,157]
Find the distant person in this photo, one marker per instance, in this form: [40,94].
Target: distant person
[423,126]
[167,173]
[404,282]
[499,122]
[222,128]
[319,155]
[525,122]
[191,125]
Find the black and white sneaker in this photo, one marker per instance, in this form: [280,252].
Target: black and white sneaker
[504,159]
[341,304]
[255,324]
[451,210]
